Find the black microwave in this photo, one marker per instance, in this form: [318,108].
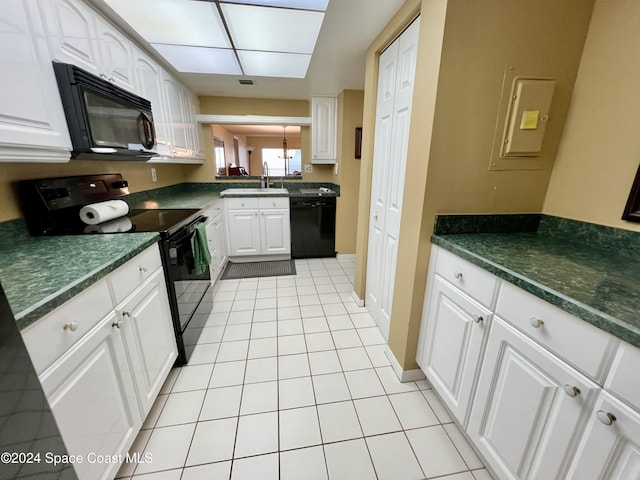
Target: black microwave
[106,122]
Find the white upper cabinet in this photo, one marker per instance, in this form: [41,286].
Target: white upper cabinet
[78,35]
[116,54]
[32,122]
[71,32]
[149,83]
[323,129]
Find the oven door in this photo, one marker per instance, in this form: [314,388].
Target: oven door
[188,286]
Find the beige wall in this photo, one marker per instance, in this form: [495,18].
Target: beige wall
[600,149]
[456,103]
[138,175]
[350,104]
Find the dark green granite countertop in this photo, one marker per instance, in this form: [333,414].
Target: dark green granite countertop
[198,195]
[39,274]
[589,274]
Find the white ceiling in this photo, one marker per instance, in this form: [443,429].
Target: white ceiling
[337,63]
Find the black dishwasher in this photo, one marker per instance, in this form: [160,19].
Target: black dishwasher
[313,227]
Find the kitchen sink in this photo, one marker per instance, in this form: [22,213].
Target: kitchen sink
[230,192]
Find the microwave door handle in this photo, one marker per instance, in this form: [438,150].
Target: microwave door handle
[146,131]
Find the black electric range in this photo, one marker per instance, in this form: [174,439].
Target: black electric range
[51,206]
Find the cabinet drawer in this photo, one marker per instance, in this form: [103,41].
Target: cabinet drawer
[623,378]
[129,276]
[239,203]
[580,343]
[214,208]
[471,279]
[54,334]
[273,202]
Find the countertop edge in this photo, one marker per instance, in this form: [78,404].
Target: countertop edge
[49,304]
[597,318]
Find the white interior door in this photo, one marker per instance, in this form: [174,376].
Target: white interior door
[396,75]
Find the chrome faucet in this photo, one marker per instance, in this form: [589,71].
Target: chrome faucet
[265,175]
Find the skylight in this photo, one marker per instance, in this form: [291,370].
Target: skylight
[272,38]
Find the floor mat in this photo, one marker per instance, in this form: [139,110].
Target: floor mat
[258,269]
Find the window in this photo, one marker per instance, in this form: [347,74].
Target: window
[277,165]
[218,153]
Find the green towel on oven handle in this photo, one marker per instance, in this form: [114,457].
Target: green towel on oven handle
[201,255]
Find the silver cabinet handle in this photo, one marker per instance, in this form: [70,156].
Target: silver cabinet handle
[605,417]
[116,323]
[457,274]
[143,269]
[478,318]
[72,326]
[536,322]
[571,391]
[126,314]
[375,217]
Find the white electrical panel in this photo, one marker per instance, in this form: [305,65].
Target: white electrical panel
[527,118]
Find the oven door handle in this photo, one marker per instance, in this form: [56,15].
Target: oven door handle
[183,238]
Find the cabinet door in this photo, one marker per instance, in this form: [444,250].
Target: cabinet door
[146,325]
[72,33]
[116,56]
[93,400]
[526,414]
[221,241]
[214,268]
[323,129]
[451,341]
[275,231]
[150,85]
[31,114]
[244,232]
[175,114]
[610,449]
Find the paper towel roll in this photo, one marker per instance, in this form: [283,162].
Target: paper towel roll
[95,213]
[118,225]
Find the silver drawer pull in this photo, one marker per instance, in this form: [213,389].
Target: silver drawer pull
[478,318]
[72,327]
[571,391]
[536,322]
[605,417]
[457,274]
[143,269]
[116,323]
[126,314]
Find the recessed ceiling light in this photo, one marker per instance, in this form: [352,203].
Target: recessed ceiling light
[177,22]
[271,64]
[272,29]
[199,60]
[320,5]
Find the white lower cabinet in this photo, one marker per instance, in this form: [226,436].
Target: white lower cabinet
[258,226]
[91,394]
[610,446]
[526,381]
[529,407]
[217,240]
[145,321]
[275,231]
[102,376]
[451,344]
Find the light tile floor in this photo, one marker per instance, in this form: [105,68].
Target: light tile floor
[289,380]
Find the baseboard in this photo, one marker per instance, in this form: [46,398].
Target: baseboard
[357,299]
[403,375]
